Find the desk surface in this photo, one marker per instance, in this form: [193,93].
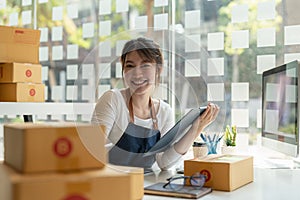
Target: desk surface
[270,181]
[268,184]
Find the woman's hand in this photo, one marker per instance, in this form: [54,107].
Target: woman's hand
[206,118]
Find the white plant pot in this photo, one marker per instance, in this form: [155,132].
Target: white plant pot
[228,150]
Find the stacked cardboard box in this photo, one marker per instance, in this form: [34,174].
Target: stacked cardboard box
[63,161]
[223,172]
[20,71]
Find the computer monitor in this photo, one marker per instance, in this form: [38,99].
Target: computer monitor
[280,109]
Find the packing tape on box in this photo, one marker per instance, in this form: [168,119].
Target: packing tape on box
[63,147]
[77,190]
[71,162]
[210,157]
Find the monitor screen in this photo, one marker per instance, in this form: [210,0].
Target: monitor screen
[280,108]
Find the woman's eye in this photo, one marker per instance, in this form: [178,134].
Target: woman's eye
[129,66]
[146,65]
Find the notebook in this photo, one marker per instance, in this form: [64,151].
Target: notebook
[188,192]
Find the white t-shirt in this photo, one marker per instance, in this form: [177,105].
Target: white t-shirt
[112,112]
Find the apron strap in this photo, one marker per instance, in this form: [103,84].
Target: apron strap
[153,114]
[152,111]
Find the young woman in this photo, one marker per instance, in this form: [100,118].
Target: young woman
[133,120]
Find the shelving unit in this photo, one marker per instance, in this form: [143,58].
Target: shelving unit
[20,108]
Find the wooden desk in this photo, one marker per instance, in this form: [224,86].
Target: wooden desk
[275,184]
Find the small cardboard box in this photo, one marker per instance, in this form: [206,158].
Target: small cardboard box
[137,176]
[225,172]
[42,147]
[22,92]
[19,45]
[105,184]
[20,72]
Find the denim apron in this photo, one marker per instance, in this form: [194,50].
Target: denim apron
[135,141]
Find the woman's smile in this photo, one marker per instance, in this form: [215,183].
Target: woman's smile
[140,82]
[140,85]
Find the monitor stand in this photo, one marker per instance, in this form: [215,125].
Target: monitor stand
[296,162]
[269,158]
[278,163]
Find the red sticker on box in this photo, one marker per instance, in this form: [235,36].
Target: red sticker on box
[19,31]
[75,197]
[32,92]
[62,147]
[28,73]
[207,174]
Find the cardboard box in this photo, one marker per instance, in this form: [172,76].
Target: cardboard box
[137,179]
[225,172]
[22,92]
[44,147]
[20,72]
[105,184]
[19,45]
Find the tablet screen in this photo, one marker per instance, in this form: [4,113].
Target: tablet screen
[176,132]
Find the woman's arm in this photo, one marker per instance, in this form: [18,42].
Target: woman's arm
[104,112]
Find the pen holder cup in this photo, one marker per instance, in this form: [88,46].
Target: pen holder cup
[199,149]
[212,147]
[212,142]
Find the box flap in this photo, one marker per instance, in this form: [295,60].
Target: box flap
[215,158]
[19,35]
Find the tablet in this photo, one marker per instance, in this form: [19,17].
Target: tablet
[176,132]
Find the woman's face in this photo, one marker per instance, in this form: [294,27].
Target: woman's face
[139,73]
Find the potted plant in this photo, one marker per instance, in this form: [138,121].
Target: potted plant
[229,140]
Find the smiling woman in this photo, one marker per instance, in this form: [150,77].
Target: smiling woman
[134,121]
[139,74]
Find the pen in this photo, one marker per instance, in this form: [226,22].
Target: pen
[203,137]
